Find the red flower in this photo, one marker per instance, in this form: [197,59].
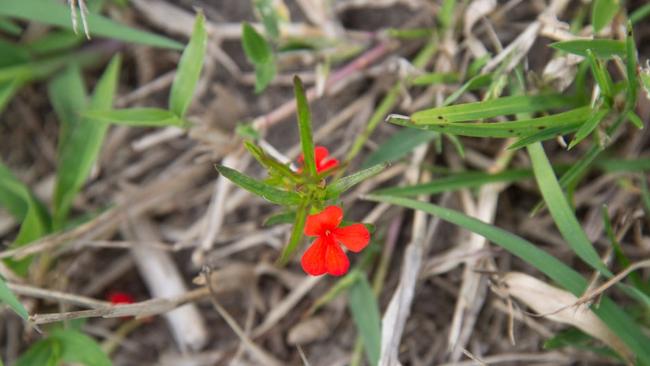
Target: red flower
[323,161]
[118,297]
[325,254]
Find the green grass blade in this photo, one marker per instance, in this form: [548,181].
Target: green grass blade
[365,313]
[138,117]
[602,13]
[640,13]
[261,189]
[300,219]
[602,48]
[7,90]
[8,297]
[82,146]
[560,210]
[10,27]
[398,146]
[304,126]
[55,13]
[341,185]
[587,127]
[457,181]
[68,97]
[600,74]
[518,128]
[491,108]
[631,65]
[474,83]
[189,69]
[543,135]
[615,318]
[55,41]
[23,205]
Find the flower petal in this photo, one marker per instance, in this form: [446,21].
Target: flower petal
[328,219]
[327,164]
[320,153]
[313,261]
[355,237]
[336,261]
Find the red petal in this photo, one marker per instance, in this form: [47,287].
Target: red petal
[327,164]
[336,261]
[355,237]
[328,219]
[313,261]
[320,153]
[120,298]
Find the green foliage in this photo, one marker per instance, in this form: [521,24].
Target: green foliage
[259,53]
[189,69]
[561,212]
[270,17]
[602,13]
[300,218]
[56,13]
[23,205]
[491,108]
[596,116]
[69,346]
[304,126]
[457,181]
[365,313]
[602,48]
[343,184]
[398,146]
[138,117]
[261,189]
[81,138]
[616,319]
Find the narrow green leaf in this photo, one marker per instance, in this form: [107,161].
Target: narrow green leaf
[640,13]
[600,74]
[257,50]
[587,127]
[616,319]
[27,209]
[474,83]
[139,117]
[491,108]
[261,189]
[343,184]
[8,297]
[55,41]
[398,146]
[365,313]
[645,195]
[635,120]
[10,27]
[83,145]
[602,48]
[435,78]
[77,347]
[269,162]
[68,97]
[602,13]
[189,69]
[456,181]
[543,135]
[7,90]
[631,66]
[55,13]
[341,284]
[560,210]
[304,125]
[264,74]
[296,235]
[519,128]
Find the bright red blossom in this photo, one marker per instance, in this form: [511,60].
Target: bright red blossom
[325,254]
[118,297]
[323,161]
